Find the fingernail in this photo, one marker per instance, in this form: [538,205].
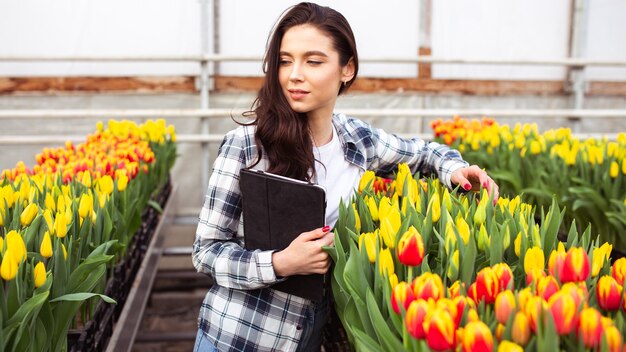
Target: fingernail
[484,184]
[326,228]
[467,186]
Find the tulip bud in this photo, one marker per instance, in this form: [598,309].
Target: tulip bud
[47,215]
[463,228]
[369,239]
[608,293]
[373,208]
[601,255]
[505,275]
[85,207]
[428,285]
[105,184]
[504,306]
[614,169]
[357,225]
[86,179]
[455,289]
[453,266]
[447,202]
[366,180]
[15,242]
[477,337]
[8,268]
[440,331]
[564,312]
[481,213]
[28,214]
[556,260]
[576,267]
[518,243]
[487,285]
[411,248]
[64,251]
[415,317]
[385,262]
[534,308]
[49,202]
[534,259]
[39,274]
[521,329]
[618,270]
[401,295]
[483,240]
[614,340]
[122,182]
[590,327]
[546,287]
[403,173]
[389,226]
[508,346]
[434,207]
[46,246]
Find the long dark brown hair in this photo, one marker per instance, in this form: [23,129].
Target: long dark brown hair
[281,132]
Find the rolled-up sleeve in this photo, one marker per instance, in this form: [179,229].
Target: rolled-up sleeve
[217,250]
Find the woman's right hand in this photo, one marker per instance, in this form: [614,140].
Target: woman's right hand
[305,255]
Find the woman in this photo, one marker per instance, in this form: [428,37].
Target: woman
[311,58]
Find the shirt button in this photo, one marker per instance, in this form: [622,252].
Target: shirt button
[298,327]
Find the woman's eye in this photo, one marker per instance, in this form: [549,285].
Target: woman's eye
[311,62]
[283,62]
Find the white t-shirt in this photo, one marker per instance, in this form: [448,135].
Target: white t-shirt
[338,177]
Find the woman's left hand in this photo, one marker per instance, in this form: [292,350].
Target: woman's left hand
[472,178]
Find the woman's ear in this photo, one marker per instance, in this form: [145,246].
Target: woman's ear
[347,72]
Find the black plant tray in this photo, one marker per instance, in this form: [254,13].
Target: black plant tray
[95,334]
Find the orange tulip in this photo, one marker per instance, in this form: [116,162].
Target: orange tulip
[618,270]
[504,306]
[608,293]
[590,327]
[477,337]
[576,266]
[440,331]
[401,294]
[505,275]
[411,248]
[428,285]
[487,286]
[521,329]
[546,287]
[614,339]
[415,317]
[563,309]
[462,303]
[534,308]
[556,260]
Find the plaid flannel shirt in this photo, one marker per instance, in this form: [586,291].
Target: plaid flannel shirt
[241,311]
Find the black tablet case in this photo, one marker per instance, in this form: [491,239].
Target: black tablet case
[277,209]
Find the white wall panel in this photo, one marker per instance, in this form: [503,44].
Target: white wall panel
[99,27]
[381,29]
[500,29]
[606,38]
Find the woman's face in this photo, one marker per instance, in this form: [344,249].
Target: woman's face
[310,74]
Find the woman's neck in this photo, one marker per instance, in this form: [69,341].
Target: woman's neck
[321,129]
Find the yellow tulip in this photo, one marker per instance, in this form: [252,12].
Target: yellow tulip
[49,202]
[64,251]
[385,262]
[600,255]
[614,171]
[46,246]
[534,259]
[367,178]
[28,214]
[624,166]
[105,184]
[389,226]
[357,225]
[369,240]
[435,207]
[85,207]
[453,268]
[40,274]
[86,179]
[15,242]
[463,228]
[450,238]
[61,203]
[60,225]
[372,207]
[447,202]
[404,174]
[483,240]
[535,147]
[384,207]
[122,182]
[8,268]
[47,215]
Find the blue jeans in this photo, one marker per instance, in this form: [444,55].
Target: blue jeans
[203,344]
[314,322]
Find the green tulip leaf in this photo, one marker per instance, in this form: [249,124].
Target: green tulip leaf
[82,296]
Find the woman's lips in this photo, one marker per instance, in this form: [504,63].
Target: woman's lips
[297,94]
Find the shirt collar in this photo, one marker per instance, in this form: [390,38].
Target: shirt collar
[350,144]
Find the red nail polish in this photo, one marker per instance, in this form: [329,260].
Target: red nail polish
[326,228]
[467,186]
[484,184]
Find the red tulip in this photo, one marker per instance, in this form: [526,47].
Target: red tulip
[613,338]
[533,276]
[401,294]
[428,285]
[546,287]
[477,337]
[590,327]
[618,270]
[411,248]
[487,286]
[415,317]
[556,260]
[608,293]
[505,275]
[440,331]
[576,266]
[563,310]
[505,306]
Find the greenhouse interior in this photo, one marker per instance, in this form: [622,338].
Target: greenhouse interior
[127,124]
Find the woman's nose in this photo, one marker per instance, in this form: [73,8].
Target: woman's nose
[296,74]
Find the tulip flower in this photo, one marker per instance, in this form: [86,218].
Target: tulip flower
[39,274]
[46,246]
[601,255]
[389,226]
[534,308]
[462,303]
[8,268]
[614,169]
[608,293]
[578,293]
[401,295]
[415,317]
[385,262]
[483,240]
[463,228]
[440,331]
[508,346]
[403,173]
[28,214]
[504,306]
[481,213]
[85,207]
[428,285]
[618,270]
[411,248]
[453,266]
[487,286]
[445,200]
[434,207]
[373,208]
[64,251]
[122,182]
[614,339]
[505,275]
[15,242]
[590,327]
[546,287]
[576,267]
[556,260]
[49,202]
[518,244]
[534,259]
[521,329]
[105,184]
[477,337]
[369,239]
[564,312]
[357,219]
[367,179]
[455,289]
